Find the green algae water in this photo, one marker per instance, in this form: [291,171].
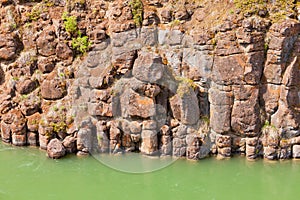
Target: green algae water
[26,173]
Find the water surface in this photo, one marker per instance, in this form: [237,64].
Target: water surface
[26,173]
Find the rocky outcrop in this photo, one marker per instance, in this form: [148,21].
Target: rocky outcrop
[55,149]
[167,78]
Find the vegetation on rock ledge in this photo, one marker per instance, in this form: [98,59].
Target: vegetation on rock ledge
[137,11]
[79,43]
[276,10]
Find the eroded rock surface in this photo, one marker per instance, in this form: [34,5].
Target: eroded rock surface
[182,79]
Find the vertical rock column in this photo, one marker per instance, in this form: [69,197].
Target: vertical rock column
[295,142]
[223,143]
[185,109]
[166,141]
[18,128]
[193,147]
[179,140]
[252,147]
[86,137]
[33,126]
[149,138]
[270,141]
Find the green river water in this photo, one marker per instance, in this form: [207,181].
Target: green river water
[27,174]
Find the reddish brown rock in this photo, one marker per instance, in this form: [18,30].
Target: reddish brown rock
[140,106]
[247,122]
[135,127]
[224,152]
[70,144]
[292,73]
[223,141]
[26,86]
[18,125]
[127,143]
[43,141]
[227,45]
[229,69]
[9,45]
[179,141]
[100,109]
[252,147]
[149,142]
[33,122]
[19,140]
[270,152]
[166,15]
[270,94]
[5,132]
[286,116]
[55,149]
[85,140]
[30,104]
[32,138]
[46,42]
[53,88]
[46,64]
[64,52]
[149,125]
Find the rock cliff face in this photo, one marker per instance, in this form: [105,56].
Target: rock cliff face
[181,78]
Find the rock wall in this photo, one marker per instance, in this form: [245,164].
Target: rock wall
[188,79]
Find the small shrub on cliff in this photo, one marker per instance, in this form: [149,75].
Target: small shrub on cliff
[184,86]
[175,22]
[70,23]
[81,43]
[250,6]
[276,10]
[35,13]
[268,125]
[137,11]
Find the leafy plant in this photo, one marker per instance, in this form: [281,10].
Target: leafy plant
[81,43]
[277,10]
[70,23]
[137,11]
[59,126]
[175,22]
[35,13]
[48,3]
[268,125]
[184,86]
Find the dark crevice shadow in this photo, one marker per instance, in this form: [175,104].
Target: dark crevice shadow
[2,76]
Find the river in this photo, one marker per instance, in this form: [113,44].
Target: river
[27,174]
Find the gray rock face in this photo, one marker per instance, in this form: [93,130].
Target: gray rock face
[84,140]
[149,142]
[148,67]
[296,151]
[193,147]
[184,105]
